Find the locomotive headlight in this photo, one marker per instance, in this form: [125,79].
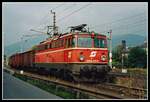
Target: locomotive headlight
[103,57]
[81,58]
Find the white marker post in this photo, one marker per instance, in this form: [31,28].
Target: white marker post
[110,50]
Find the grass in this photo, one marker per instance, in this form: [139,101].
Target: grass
[62,92]
[138,71]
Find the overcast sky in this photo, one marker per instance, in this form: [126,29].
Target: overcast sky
[123,18]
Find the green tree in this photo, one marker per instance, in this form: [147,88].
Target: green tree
[117,52]
[117,57]
[137,57]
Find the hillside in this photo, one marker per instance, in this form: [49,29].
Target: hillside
[25,45]
[131,40]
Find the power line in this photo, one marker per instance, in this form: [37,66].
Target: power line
[125,25]
[117,20]
[67,8]
[57,14]
[130,32]
[73,12]
[41,21]
[132,24]
[116,29]
[136,31]
[59,5]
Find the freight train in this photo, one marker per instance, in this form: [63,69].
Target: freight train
[79,55]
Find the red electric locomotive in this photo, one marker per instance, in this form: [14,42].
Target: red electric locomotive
[76,56]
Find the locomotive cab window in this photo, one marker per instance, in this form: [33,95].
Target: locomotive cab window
[50,45]
[85,42]
[69,42]
[73,42]
[62,42]
[99,43]
[66,43]
[46,46]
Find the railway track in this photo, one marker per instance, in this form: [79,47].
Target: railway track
[102,91]
[124,90]
[115,74]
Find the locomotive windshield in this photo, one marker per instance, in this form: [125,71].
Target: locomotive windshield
[99,43]
[89,42]
[85,42]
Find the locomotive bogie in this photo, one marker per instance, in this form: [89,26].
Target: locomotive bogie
[76,71]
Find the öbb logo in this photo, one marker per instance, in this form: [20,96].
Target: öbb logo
[93,53]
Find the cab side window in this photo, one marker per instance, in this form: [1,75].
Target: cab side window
[50,45]
[69,43]
[66,42]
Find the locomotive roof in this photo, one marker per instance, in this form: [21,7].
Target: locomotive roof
[65,35]
[83,33]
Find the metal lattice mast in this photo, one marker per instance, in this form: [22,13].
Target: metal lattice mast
[54,23]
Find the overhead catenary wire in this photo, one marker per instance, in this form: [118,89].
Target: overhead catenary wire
[127,24]
[141,22]
[74,4]
[116,21]
[113,22]
[77,10]
[128,27]
[120,20]
[67,8]
[123,29]
[46,18]
[59,5]
[136,31]
[73,12]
